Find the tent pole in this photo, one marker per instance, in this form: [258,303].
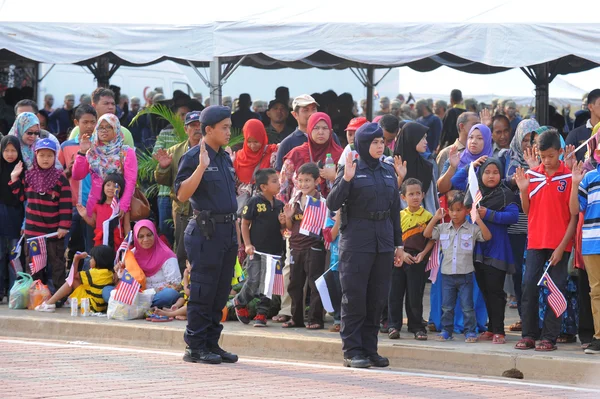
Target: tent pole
[541,93]
[215,82]
[370,86]
[102,72]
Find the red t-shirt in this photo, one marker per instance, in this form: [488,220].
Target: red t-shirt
[549,213]
[103,213]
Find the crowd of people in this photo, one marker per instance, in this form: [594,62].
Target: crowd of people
[62,171]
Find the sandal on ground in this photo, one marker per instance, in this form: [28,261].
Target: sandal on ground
[486,336]
[444,336]
[290,324]
[314,326]
[44,307]
[471,338]
[585,346]
[525,343]
[394,333]
[281,318]
[421,336]
[499,339]
[161,319]
[566,339]
[431,327]
[545,346]
[335,328]
[518,326]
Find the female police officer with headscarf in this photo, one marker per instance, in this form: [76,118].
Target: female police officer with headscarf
[370,243]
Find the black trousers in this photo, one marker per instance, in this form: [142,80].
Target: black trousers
[407,281]
[491,283]
[365,280]
[181,222]
[308,263]
[213,262]
[586,321]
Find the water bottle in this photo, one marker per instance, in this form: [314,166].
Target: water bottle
[329,164]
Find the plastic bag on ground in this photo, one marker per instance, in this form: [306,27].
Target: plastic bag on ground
[38,293]
[120,311]
[19,293]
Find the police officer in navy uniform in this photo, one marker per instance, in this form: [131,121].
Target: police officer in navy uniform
[207,179]
[370,243]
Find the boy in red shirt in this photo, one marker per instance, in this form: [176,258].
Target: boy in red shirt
[545,192]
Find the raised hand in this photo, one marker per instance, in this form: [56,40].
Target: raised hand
[14,175]
[454,157]
[81,210]
[439,214]
[521,179]
[84,143]
[288,210]
[204,158]
[401,169]
[570,159]
[350,168]
[163,158]
[486,117]
[480,161]
[530,156]
[578,173]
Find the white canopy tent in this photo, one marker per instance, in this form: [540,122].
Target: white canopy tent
[484,37]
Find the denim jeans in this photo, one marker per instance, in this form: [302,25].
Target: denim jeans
[165,298]
[460,285]
[7,273]
[165,212]
[106,292]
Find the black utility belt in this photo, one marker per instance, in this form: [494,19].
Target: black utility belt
[375,216]
[218,217]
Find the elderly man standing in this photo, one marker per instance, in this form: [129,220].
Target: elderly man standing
[165,173]
[427,118]
[61,120]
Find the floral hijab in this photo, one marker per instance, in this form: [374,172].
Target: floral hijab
[517,157]
[107,158]
[24,122]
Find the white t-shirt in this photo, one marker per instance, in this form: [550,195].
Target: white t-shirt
[168,274]
[342,160]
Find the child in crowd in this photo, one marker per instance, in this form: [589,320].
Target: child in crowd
[179,309]
[409,279]
[87,284]
[457,239]
[494,259]
[48,210]
[262,222]
[307,253]
[331,234]
[114,184]
[545,200]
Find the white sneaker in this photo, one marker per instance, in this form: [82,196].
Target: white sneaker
[44,307]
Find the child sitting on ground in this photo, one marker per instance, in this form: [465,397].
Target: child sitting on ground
[457,240]
[87,284]
[179,309]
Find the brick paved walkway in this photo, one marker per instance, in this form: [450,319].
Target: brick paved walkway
[33,369]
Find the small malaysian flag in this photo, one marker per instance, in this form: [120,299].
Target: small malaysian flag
[278,288]
[115,201]
[474,191]
[127,289]
[15,259]
[556,300]
[38,253]
[272,284]
[123,248]
[315,216]
[434,262]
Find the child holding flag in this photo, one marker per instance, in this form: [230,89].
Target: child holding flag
[262,222]
[305,216]
[48,212]
[105,209]
[457,240]
[545,193]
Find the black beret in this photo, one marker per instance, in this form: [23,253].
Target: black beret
[214,114]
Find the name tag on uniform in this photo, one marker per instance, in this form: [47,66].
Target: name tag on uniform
[388,177]
[231,169]
[360,176]
[212,169]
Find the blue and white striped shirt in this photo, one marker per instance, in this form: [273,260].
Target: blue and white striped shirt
[589,203]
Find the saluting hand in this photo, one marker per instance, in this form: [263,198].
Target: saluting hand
[530,156]
[401,169]
[204,159]
[578,173]
[570,159]
[84,143]
[350,168]
[522,179]
[454,157]
[486,117]
[14,175]
[163,158]
[288,210]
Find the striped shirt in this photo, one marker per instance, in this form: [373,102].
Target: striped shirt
[166,139]
[413,225]
[589,203]
[45,212]
[94,280]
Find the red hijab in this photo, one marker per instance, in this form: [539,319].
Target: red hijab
[247,160]
[150,260]
[313,152]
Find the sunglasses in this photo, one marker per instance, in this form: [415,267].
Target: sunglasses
[36,133]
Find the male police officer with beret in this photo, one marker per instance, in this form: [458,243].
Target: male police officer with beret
[206,178]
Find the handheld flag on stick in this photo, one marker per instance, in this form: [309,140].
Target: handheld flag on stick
[315,216]
[273,282]
[125,244]
[127,289]
[433,264]
[15,257]
[38,253]
[474,191]
[556,299]
[331,296]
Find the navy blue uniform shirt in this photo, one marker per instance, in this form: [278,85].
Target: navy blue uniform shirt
[371,190]
[216,191]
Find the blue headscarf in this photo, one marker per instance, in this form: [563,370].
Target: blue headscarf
[488,148]
[363,138]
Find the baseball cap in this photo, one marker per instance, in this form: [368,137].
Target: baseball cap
[355,123]
[304,100]
[192,117]
[45,144]
[273,103]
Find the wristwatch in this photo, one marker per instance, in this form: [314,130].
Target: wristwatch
[400,247]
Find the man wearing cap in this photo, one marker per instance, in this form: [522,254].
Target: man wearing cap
[206,178]
[429,119]
[165,174]
[350,131]
[304,106]
[278,129]
[510,110]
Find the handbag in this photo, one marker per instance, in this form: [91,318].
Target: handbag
[140,207]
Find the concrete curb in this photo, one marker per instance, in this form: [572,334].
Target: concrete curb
[252,343]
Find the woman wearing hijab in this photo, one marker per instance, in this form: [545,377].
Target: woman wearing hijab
[370,243]
[411,146]
[27,129]
[11,209]
[493,259]
[479,145]
[255,154]
[320,143]
[105,153]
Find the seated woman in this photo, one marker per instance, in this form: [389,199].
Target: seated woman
[159,264]
[87,284]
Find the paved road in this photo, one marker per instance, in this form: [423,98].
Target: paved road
[44,369]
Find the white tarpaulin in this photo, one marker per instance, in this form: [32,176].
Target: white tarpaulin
[386,33]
